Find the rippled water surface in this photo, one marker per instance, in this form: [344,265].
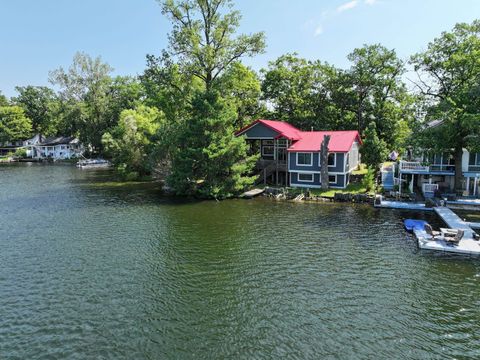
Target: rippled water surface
[93,269]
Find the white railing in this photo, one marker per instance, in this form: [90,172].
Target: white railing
[413,166]
[430,188]
[418,166]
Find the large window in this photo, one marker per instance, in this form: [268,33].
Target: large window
[305,177]
[267,148]
[332,159]
[304,159]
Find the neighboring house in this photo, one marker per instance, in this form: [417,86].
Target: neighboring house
[56,147]
[11,147]
[432,173]
[292,157]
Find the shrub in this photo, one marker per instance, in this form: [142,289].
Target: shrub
[368,181]
[21,153]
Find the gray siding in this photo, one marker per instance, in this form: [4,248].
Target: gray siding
[316,163]
[260,131]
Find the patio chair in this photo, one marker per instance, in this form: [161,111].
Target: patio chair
[429,230]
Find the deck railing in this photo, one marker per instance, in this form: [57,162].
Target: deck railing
[418,166]
[413,166]
[474,168]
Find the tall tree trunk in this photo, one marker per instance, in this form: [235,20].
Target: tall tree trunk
[458,168]
[324,162]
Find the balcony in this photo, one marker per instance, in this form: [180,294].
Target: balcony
[473,168]
[416,167]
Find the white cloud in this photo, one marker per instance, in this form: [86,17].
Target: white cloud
[347,6]
[370,2]
[318,30]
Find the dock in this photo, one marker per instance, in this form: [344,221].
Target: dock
[252,193]
[453,220]
[402,205]
[467,245]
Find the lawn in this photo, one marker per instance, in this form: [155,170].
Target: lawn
[356,188]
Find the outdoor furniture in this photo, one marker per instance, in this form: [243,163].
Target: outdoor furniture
[452,236]
[429,230]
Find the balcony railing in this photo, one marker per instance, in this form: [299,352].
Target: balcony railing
[413,166]
[474,168]
[416,166]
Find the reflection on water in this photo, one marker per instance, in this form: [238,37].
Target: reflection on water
[95,269]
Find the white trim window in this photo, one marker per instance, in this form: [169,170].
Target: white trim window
[332,159]
[304,159]
[305,177]
[332,179]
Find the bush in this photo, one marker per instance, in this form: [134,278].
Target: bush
[368,181]
[21,153]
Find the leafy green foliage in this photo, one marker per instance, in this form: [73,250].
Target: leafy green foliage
[241,86]
[14,125]
[210,161]
[374,150]
[203,38]
[368,181]
[449,72]
[130,142]
[40,104]
[3,100]
[84,93]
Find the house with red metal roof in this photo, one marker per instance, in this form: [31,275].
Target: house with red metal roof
[289,156]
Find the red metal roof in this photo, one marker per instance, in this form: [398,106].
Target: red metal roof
[340,141]
[284,129]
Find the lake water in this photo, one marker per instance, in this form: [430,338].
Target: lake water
[91,269]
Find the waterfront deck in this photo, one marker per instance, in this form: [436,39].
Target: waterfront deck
[402,205]
[453,221]
[466,246]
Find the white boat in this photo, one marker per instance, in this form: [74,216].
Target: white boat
[93,164]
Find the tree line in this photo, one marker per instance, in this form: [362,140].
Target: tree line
[177,119]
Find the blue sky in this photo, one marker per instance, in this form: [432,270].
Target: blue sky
[39,36]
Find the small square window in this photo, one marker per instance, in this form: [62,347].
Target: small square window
[332,179]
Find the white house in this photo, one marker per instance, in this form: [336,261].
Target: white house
[56,147]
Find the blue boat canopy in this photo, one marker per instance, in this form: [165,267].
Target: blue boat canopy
[411,224]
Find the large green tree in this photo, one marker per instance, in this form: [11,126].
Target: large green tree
[449,78]
[241,86]
[84,93]
[130,143]
[306,93]
[40,104]
[210,161]
[374,150]
[14,125]
[203,40]
[378,93]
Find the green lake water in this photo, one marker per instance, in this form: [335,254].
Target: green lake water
[91,269]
